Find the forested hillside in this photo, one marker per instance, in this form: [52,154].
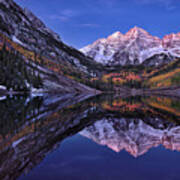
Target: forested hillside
[16,74]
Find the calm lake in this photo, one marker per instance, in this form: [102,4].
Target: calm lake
[74,137]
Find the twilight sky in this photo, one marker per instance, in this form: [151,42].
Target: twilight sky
[80,22]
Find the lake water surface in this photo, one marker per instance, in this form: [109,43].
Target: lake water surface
[103,137]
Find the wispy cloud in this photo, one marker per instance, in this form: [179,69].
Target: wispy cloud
[168,4]
[59,17]
[65,15]
[69,13]
[89,25]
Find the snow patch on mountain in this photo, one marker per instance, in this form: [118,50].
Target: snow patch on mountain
[16,40]
[134,47]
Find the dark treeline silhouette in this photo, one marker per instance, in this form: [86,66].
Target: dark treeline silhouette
[15,73]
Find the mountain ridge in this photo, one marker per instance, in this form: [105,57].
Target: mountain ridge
[24,33]
[134,47]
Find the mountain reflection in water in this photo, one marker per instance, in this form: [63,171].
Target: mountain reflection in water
[30,128]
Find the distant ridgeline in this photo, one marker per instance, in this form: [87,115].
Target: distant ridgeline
[15,73]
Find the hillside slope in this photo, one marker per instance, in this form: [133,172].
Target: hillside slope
[24,34]
[167,76]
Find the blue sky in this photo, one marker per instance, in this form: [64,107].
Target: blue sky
[80,22]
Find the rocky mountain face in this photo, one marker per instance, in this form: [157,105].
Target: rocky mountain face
[135,136]
[42,49]
[133,48]
[25,29]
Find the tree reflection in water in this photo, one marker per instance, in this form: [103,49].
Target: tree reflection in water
[30,128]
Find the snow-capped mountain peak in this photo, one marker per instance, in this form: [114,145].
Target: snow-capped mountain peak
[136,46]
[136,31]
[115,36]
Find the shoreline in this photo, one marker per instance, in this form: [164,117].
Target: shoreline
[170,91]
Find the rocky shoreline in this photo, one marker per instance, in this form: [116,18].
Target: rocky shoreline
[87,91]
